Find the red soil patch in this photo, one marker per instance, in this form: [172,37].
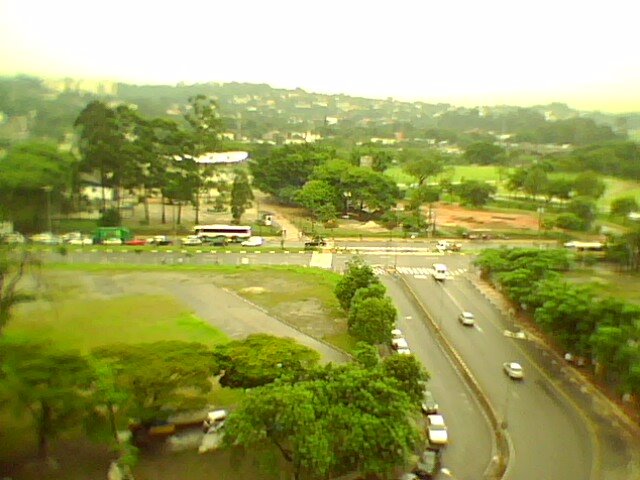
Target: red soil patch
[448,215]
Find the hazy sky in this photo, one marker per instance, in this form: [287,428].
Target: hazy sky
[463,52]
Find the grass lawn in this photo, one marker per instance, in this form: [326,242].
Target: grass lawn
[608,281]
[81,323]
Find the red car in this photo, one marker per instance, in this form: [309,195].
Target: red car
[136,242]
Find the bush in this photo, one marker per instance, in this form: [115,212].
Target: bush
[110,218]
[570,221]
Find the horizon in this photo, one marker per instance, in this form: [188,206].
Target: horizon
[467,55]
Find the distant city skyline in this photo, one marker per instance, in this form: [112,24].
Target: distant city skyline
[463,52]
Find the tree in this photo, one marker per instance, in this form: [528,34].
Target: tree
[357,275]
[409,372]
[34,177]
[366,355]
[584,208]
[475,192]
[50,384]
[203,137]
[483,153]
[13,264]
[589,184]
[285,170]
[159,377]
[535,181]
[339,420]
[623,206]
[316,195]
[241,195]
[260,359]
[559,188]
[101,144]
[422,164]
[372,319]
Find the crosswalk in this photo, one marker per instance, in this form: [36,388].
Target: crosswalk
[417,272]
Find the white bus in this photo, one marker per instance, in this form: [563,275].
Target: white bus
[234,233]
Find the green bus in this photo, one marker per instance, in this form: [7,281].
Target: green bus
[112,233]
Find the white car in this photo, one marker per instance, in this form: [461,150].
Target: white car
[437,430]
[399,343]
[514,370]
[404,351]
[85,240]
[191,240]
[253,242]
[47,238]
[215,421]
[396,333]
[112,241]
[467,319]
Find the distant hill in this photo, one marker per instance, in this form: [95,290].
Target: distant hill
[33,107]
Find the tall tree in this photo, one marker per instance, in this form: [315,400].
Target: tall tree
[357,275]
[371,320]
[205,125]
[100,144]
[50,384]
[241,195]
[422,164]
[13,266]
[159,376]
[260,359]
[34,178]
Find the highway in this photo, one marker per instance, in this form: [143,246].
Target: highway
[470,450]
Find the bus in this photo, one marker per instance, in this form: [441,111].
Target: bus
[233,233]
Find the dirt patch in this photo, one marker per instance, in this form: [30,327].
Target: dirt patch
[455,216]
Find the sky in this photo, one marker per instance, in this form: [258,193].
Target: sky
[463,52]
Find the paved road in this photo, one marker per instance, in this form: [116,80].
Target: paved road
[470,449]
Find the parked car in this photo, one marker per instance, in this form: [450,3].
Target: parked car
[253,242]
[219,241]
[467,319]
[399,343]
[429,404]
[46,238]
[428,465]
[83,240]
[112,241]
[215,421]
[138,242]
[437,430]
[13,238]
[191,241]
[514,370]
[396,333]
[316,241]
[159,240]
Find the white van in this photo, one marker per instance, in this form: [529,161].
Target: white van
[439,271]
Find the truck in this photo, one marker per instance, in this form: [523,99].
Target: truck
[108,233]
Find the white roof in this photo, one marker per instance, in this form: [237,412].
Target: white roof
[399,343]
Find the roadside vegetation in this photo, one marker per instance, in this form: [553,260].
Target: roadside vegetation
[602,330]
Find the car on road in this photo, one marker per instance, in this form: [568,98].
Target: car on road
[13,238]
[399,343]
[316,241]
[428,465]
[112,241]
[437,430]
[190,241]
[159,240]
[253,242]
[83,240]
[429,404]
[46,238]
[467,319]
[138,242]
[217,241]
[513,370]
[396,333]
[439,271]
[404,351]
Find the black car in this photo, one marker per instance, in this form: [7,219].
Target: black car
[315,242]
[428,465]
[429,404]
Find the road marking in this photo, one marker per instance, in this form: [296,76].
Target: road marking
[477,327]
